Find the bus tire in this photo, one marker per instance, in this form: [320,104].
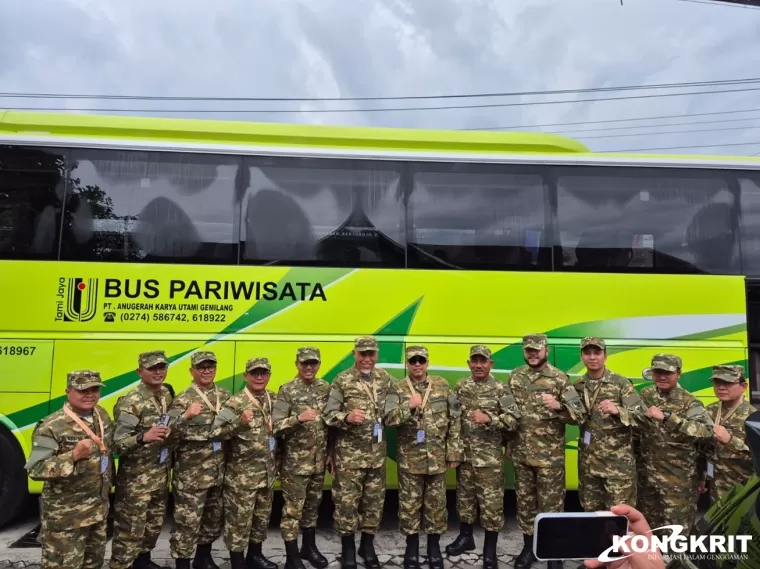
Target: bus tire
[13,480]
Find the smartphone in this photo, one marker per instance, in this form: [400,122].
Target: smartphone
[585,535]
[164,420]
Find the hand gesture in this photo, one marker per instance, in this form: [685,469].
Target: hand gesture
[609,408]
[308,415]
[453,465]
[356,417]
[415,400]
[721,434]
[480,418]
[330,464]
[701,487]
[655,413]
[637,526]
[193,411]
[246,416]
[83,449]
[156,433]
[550,401]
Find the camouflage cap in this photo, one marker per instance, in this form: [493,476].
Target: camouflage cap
[149,359]
[593,341]
[199,357]
[84,379]
[666,362]
[729,374]
[412,351]
[307,353]
[258,363]
[535,341]
[480,350]
[366,344]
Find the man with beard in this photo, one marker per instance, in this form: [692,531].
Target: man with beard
[488,410]
[547,402]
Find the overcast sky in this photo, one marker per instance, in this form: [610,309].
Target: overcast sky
[355,48]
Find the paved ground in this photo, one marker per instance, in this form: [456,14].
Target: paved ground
[389,544]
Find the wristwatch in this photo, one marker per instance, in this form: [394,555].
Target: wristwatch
[140,436]
[665,417]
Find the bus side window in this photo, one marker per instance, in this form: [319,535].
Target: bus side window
[31,191]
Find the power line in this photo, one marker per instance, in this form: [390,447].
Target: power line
[668,132]
[678,85]
[634,127]
[679,147]
[721,4]
[607,121]
[388,109]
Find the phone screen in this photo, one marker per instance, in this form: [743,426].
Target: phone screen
[577,537]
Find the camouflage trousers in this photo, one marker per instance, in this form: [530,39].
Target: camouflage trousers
[197,520]
[302,496]
[426,493]
[484,487]
[359,497]
[537,490]
[138,519]
[246,516]
[79,548]
[668,504]
[598,493]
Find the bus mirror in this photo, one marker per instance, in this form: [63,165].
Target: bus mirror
[647,374]
[752,429]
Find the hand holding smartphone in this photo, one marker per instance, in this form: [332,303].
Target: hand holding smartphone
[584,535]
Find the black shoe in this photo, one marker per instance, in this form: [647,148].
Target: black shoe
[309,550]
[256,560]
[182,563]
[237,560]
[463,542]
[412,553]
[143,562]
[435,559]
[526,557]
[203,559]
[348,557]
[489,550]
[293,560]
[367,551]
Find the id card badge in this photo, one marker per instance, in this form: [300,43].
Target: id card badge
[377,433]
[272,444]
[216,446]
[103,464]
[586,438]
[164,455]
[421,436]
[710,470]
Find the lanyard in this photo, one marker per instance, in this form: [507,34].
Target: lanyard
[590,404]
[427,392]
[730,412]
[95,438]
[267,416]
[160,408]
[206,401]
[372,394]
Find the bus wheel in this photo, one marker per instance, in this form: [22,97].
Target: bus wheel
[13,483]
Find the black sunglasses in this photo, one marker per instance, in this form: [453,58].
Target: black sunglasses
[417,360]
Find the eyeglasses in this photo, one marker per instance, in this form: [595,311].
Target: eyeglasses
[310,363]
[210,369]
[417,360]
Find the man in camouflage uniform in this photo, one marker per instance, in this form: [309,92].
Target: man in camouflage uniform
[488,410]
[251,470]
[142,481]
[202,425]
[726,459]
[678,423]
[547,402]
[300,424]
[428,441]
[72,455]
[361,398]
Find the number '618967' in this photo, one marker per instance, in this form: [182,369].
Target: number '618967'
[17,350]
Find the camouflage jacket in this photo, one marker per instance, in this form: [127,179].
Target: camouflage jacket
[199,453]
[304,444]
[75,494]
[669,449]
[440,421]
[355,446]
[482,444]
[732,462]
[540,439]
[143,468]
[605,444]
[251,464]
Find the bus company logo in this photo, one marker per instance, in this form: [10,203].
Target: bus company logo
[76,299]
[677,545]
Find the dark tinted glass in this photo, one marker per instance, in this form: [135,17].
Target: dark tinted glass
[31,196]
[631,220]
[477,217]
[322,213]
[151,206]
[749,223]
